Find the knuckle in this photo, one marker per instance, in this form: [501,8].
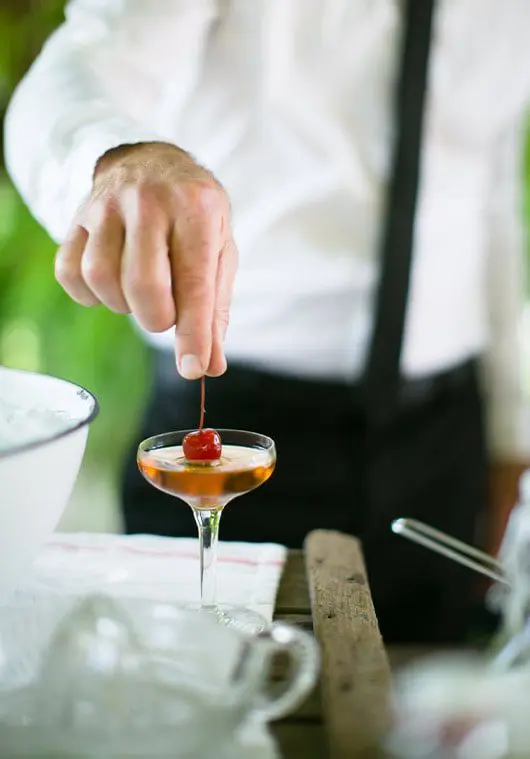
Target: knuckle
[100,208]
[146,287]
[222,316]
[104,211]
[145,195]
[96,272]
[149,206]
[198,334]
[195,286]
[65,273]
[142,201]
[205,197]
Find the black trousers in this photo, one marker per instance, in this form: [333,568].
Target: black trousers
[429,463]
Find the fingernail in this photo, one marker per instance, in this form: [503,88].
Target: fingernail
[190,367]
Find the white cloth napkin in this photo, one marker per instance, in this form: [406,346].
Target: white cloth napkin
[163,569]
[149,566]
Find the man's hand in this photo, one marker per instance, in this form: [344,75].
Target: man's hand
[504,480]
[154,239]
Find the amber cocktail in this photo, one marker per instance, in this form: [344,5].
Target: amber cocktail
[247,460]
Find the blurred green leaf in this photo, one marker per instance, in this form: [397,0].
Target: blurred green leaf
[40,327]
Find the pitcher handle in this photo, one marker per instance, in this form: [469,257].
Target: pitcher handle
[303,652]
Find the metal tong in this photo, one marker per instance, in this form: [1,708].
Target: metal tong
[451,548]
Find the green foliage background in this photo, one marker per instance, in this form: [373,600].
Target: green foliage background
[40,328]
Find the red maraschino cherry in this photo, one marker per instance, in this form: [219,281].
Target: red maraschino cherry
[202,444]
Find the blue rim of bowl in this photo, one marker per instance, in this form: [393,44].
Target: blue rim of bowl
[32,444]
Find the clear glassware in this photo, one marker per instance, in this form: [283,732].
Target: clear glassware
[461,706]
[103,677]
[247,461]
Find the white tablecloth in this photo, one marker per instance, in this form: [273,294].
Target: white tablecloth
[163,569]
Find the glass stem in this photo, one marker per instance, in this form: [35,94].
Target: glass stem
[208,523]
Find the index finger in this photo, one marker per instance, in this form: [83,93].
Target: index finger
[195,248]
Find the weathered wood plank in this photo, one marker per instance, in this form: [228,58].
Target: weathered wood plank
[355,675]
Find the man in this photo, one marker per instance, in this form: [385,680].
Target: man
[289,106]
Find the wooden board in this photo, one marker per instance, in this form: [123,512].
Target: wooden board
[355,673]
[325,590]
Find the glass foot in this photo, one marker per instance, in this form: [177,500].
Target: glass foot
[244,620]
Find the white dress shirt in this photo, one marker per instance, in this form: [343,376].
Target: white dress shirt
[289,103]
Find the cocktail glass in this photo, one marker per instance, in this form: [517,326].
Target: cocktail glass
[247,461]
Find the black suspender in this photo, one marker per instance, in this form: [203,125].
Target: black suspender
[382,376]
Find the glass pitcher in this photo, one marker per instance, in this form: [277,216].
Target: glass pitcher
[134,678]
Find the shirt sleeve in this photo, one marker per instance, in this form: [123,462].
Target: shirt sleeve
[508,413]
[99,82]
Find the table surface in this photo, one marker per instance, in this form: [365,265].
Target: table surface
[324,589]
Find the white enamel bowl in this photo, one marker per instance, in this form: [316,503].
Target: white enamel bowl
[37,476]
